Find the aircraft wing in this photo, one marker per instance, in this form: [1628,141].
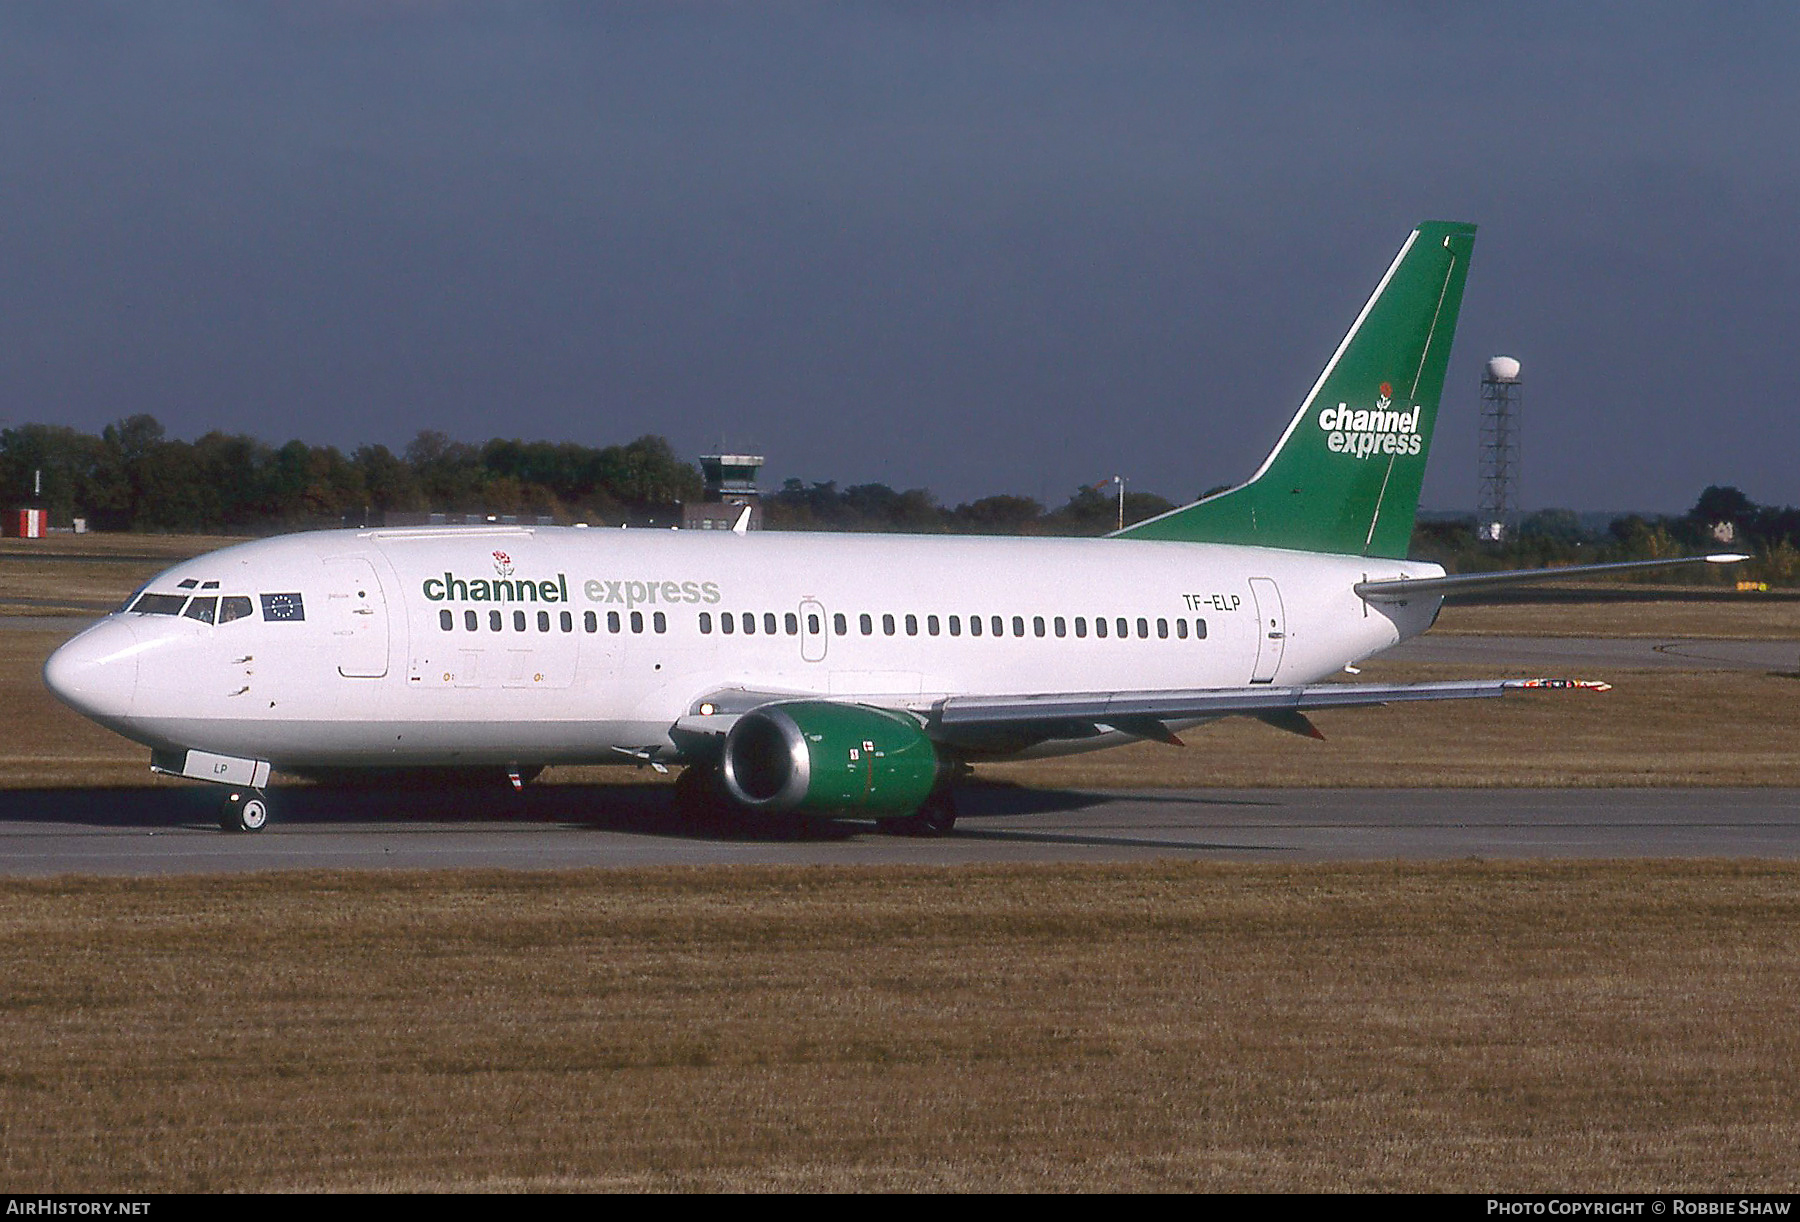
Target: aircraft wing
[1147,714]
[1010,722]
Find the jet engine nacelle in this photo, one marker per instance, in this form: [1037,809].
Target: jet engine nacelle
[814,755]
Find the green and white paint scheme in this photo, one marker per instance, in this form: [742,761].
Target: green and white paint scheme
[822,674]
[1345,477]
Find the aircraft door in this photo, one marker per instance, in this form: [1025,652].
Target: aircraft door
[1271,629]
[813,632]
[357,617]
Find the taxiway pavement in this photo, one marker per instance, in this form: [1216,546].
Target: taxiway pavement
[156,830]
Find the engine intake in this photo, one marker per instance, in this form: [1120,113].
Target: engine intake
[815,755]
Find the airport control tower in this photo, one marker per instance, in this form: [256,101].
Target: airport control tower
[1497,514]
[730,482]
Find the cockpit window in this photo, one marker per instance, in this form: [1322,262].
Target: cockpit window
[159,604]
[202,609]
[283,607]
[189,584]
[234,606]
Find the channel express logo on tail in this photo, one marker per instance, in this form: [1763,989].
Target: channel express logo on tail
[1366,432]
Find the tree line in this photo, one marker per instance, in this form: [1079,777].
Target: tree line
[1723,519]
[133,477]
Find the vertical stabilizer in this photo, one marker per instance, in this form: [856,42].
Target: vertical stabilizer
[1345,476]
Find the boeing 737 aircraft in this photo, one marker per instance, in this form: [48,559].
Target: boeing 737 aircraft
[837,675]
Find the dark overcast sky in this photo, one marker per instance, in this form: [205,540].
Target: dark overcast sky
[977,248]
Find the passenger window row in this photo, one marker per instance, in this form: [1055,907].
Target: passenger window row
[497,621]
[750,623]
[731,622]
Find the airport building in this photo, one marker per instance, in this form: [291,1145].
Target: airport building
[730,483]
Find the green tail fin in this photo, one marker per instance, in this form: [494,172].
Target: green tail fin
[1345,476]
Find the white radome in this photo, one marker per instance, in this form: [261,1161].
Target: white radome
[1502,369]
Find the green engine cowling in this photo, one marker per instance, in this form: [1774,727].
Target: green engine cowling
[815,755]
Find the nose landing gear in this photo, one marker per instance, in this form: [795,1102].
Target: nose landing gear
[244,811]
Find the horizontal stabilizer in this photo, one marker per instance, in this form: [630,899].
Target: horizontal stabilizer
[1405,588]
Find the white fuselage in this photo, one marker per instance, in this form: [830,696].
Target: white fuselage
[519,646]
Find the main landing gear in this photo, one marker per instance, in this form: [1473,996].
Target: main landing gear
[936,818]
[244,810]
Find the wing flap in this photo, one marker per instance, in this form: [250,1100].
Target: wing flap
[1112,708]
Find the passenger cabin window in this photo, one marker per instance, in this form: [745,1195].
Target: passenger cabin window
[659,622]
[1143,628]
[998,625]
[1100,627]
[931,624]
[956,625]
[447,621]
[495,622]
[203,609]
[566,621]
[864,622]
[543,621]
[637,621]
[1181,629]
[612,621]
[518,621]
[912,625]
[887,625]
[1081,626]
[1199,630]
[727,622]
[706,623]
[1124,629]
[769,622]
[1037,626]
[590,622]
[812,624]
[233,606]
[1062,626]
[839,624]
[471,621]
[749,622]
[792,623]
[1162,629]
[974,625]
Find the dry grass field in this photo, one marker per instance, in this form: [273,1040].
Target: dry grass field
[1467,1027]
[1621,610]
[87,574]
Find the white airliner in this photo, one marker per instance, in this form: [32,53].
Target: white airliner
[838,675]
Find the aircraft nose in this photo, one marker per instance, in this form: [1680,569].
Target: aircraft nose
[96,673]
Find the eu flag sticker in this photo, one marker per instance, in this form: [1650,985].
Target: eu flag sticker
[283,606]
